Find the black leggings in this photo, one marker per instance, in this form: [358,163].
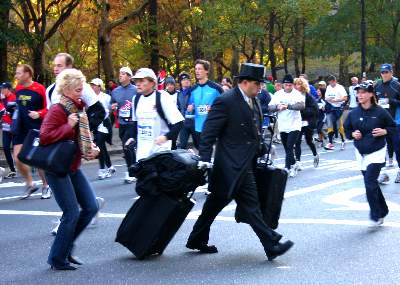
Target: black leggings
[7,139]
[104,157]
[308,134]
[288,141]
[127,131]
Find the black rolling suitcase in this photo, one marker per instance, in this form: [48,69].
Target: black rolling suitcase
[271,184]
[151,223]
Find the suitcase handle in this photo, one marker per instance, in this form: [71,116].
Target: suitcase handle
[273,120]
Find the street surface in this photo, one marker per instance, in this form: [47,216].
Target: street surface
[325,213]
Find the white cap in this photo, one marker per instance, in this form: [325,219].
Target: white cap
[322,83]
[145,73]
[126,70]
[97,81]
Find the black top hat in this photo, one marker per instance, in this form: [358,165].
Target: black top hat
[251,71]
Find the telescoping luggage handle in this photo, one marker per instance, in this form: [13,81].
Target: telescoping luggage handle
[272,119]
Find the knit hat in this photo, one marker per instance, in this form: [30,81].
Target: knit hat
[169,80]
[288,79]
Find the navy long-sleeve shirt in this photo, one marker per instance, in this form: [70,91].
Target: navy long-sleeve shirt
[365,120]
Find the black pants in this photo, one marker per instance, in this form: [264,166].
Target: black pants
[7,140]
[375,198]
[246,198]
[185,133]
[126,131]
[104,157]
[288,141]
[308,134]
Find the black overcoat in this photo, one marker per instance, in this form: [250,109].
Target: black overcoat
[230,125]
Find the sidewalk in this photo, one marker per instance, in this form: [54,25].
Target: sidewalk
[114,149]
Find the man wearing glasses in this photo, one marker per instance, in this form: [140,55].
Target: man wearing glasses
[388,93]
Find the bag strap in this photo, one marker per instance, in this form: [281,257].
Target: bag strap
[272,119]
[159,108]
[51,91]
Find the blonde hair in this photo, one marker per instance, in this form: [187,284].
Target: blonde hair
[305,88]
[69,79]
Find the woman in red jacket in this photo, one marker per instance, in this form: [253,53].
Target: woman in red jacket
[73,193]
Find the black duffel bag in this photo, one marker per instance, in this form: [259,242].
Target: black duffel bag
[54,158]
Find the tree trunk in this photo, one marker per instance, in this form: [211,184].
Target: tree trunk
[220,55]
[4,16]
[106,55]
[363,35]
[303,47]
[343,69]
[153,34]
[271,41]
[296,48]
[285,59]
[38,62]
[397,65]
[235,62]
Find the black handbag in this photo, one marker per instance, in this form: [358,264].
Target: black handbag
[55,158]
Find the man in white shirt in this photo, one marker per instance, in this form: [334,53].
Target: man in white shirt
[94,109]
[158,120]
[287,103]
[335,96]
[353,93]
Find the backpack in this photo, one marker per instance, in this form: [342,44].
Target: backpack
[159,108]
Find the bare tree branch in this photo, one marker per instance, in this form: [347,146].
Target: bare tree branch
[128,16]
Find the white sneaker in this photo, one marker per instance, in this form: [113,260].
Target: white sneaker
[55,229]
[383,179]
[342,145]
[103,174]
[112,170]
[100,202]
[375,224]
[293,171]
[2,172]
[128,179]
[316,161]
[298,166]
[46,192]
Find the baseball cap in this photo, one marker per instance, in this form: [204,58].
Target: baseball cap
[126,70]
[145,73]
[322,83]
[288,79]
[97,81]
[184,76]
[367,86]
[386,67]
[6,85]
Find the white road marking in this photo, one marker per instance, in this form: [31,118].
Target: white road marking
[306,221]
[344,198]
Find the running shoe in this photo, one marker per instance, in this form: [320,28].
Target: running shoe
[329,146]
[103,174]
[29,191]
[397,180]
[46,192]
[2,171]
[128,179]
[11,174]
[384,179]
[342,145]
[298,166]
[316,161]
[112,169]
[293,171]
[100,202]
[390,163]
[55,229]
[376,224]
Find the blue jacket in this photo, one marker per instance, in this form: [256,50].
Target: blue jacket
[202,96]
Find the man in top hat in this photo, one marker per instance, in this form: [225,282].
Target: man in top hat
[234,125]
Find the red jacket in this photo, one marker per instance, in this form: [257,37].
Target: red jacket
[55,128]
[7,116]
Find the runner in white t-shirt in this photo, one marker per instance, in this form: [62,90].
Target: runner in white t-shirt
[288,102]
[153,132]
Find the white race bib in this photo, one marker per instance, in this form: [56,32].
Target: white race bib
[202,110]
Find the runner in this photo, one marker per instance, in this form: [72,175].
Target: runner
[202,95]
[121,99]
[31,102]
[288,103]
[321,116]
[183,99]
[170,88]
[9,105]
[368,125]
[157,118]
[309,118]
[335,98]
[103,133]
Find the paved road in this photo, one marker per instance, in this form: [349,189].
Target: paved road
[325,214]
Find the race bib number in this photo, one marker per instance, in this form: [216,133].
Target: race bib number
[202,110]
[124,113]
[145,133]
[384,103]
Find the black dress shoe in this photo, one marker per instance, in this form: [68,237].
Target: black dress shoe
[203,248]
[75,260]
[63,267]
[279,249]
